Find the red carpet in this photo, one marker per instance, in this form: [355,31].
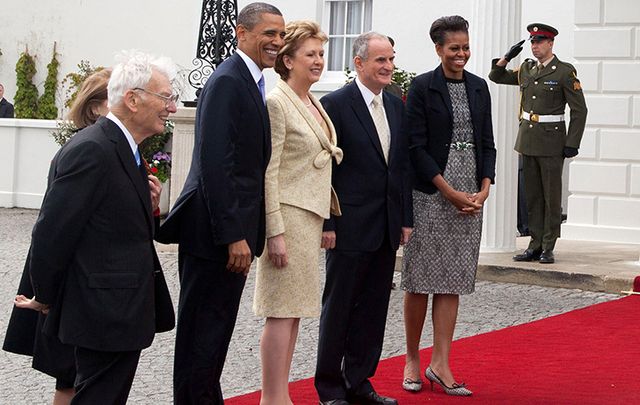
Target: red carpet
[587,356]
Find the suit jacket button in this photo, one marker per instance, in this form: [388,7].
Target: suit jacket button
[535,82]
[530,125]
[533,97]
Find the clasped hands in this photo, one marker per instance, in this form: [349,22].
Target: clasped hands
[466,203]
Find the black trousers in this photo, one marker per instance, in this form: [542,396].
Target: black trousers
[104,377]
[209,300]
[354,313]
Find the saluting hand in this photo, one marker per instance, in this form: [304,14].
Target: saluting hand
[514,51]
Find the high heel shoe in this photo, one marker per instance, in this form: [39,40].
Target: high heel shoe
[456,389]
[412,385]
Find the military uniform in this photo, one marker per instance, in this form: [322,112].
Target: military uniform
[543,136]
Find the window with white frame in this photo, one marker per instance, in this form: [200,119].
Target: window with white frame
[345,21]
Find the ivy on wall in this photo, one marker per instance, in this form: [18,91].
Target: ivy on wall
[26,99]
[73,81]
[27,103]
[47,109]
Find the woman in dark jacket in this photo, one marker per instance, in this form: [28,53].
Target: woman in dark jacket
[453,159]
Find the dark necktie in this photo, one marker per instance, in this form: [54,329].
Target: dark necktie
[261,87]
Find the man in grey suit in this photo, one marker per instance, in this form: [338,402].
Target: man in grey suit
[93,265]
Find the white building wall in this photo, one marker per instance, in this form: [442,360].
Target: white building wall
[605,179]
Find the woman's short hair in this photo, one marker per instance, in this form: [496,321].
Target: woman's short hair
[134,71]
[92,93]
[295,33]
[444,25]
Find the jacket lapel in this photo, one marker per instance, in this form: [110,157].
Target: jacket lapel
[257,99]
[439,85]
[391,119]
[364,116]
[128,162]
[473,95]
[308,117]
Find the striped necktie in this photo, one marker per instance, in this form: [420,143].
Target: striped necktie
[382,126]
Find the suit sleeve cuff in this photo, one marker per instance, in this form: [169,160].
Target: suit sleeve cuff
[274,224]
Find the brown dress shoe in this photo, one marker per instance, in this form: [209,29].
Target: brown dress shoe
[528,255]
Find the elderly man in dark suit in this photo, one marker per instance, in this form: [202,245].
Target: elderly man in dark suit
[93,265]
[219,218]
[375,197]
[6,108]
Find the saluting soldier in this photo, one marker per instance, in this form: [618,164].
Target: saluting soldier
[546,86]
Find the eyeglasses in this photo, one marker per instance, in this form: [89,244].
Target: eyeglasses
[167,99]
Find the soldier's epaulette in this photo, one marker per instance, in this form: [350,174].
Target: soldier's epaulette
[567,64]
[530,62]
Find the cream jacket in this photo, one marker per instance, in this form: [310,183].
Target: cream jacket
[299,172]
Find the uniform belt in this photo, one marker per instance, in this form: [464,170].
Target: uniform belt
[542,118]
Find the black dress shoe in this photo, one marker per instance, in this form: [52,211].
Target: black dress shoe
[334,402]
[547,257]
[372,398]
[528,255]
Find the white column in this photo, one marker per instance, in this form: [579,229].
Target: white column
[181,149]
[495,26]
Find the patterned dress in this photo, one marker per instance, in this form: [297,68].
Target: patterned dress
[441,256]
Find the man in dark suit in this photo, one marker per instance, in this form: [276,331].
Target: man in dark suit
[6,108]
[219,218]
[92,260]
[375,198]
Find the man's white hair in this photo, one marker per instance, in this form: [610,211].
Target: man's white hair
[133,70]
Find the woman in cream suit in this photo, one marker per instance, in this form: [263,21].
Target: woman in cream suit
[298,198]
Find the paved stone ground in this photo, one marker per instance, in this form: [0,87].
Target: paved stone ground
[493,306]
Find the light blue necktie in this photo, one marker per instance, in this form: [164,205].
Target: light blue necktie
[261,87]
[137,155]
